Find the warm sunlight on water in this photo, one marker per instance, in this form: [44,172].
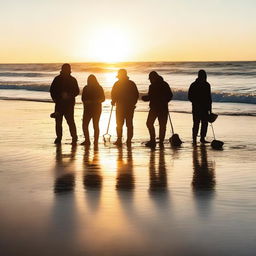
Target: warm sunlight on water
[73,200]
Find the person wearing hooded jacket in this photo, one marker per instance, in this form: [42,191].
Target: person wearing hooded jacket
[159,95]
[63,90]
[124,95]
[92,97]
[200,95]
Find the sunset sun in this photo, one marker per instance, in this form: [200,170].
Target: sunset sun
[109,45]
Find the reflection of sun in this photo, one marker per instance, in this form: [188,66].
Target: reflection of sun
[110,78]
[109,45]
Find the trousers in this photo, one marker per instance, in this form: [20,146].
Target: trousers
[124,114]
[162,116]
[200,116]
[94,115]
[68,112]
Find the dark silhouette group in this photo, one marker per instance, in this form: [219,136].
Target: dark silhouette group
[124,96]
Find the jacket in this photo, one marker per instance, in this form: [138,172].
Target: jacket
[199,94]
[159,94]
[93,94]
[64,89]
[125,93]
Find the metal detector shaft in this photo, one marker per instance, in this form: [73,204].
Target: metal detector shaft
[171,122]
[109,118]
[213,132]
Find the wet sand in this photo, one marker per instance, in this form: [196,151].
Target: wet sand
[75,200]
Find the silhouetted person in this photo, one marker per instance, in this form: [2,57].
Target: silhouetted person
[125,95]
[65,179]
[64,89]
[204,174]
[200,95]
[159,94]
[92,97]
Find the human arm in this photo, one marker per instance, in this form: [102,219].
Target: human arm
[53,90]
[76,89]
[209,98]
[168,93]
[190,93]
[113,94]
[102,95]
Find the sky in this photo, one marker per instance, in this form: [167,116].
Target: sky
[127,30]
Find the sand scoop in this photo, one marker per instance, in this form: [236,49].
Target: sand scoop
[216,144]
[107,136]
[174,139]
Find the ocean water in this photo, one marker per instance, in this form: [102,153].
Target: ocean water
[233,83]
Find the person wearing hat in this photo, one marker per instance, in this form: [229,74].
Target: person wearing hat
[200,95]
[159,95]
[124,95]
[63,90]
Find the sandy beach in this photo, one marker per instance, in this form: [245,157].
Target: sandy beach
[72,200]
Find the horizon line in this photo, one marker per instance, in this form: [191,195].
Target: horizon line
[116,62]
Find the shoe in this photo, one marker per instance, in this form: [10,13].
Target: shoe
[151,144]
[57,141]
[202,140]
[86,143]
[118,142]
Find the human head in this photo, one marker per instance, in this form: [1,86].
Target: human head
[202,75]
[92,80]
[153,76]
[122,74]
[65,69]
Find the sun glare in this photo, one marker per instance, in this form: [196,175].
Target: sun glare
[109,45]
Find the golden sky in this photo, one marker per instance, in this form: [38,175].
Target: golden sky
[127,30]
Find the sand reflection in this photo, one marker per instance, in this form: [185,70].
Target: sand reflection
[158,177]
[203,182]
[125,177]
[64,173]
[92,177]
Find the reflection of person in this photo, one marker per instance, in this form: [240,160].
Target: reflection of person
[65,179]
[92,97]
[92,175]
[200,95]
[159,94]
[204,174]
[125,178]
[158,179]
[64,89]
[125,95]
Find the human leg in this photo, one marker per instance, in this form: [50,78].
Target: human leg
[58,128]
[204,126]
[96,119]
[152,115]
[196,123]
[69,116]
[119,123]
[129,123]
[86,120]
[162,119]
